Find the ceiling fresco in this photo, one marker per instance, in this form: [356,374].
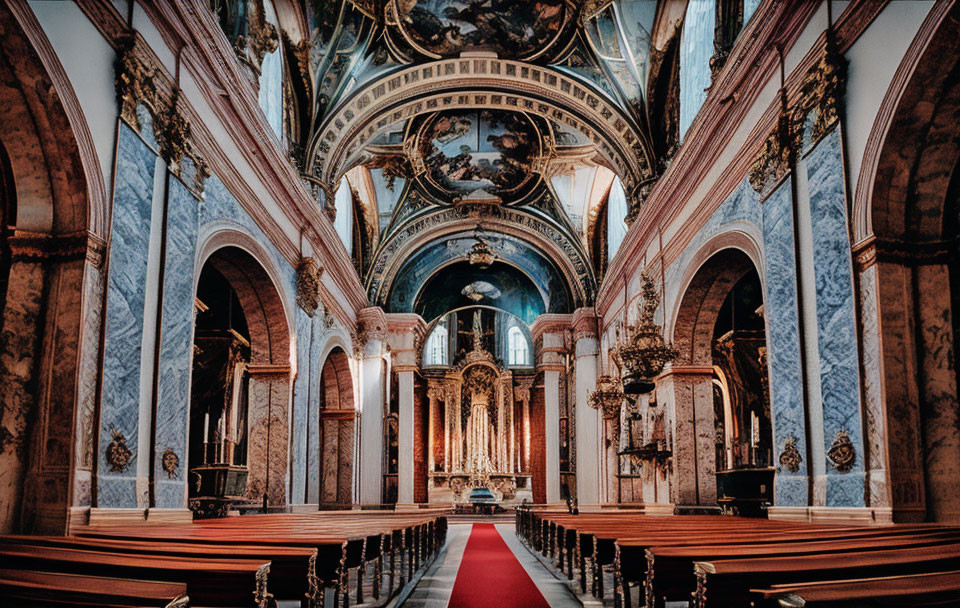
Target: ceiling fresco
[480,154]
[511,28]
[519,107]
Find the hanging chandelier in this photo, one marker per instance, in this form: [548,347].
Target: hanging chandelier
[607,398]
[641,353]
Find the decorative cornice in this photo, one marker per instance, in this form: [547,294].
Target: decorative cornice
[371,324]
[584,323]
[41,247]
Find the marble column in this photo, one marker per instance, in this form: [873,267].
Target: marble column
[589,422]
[405,439]
[688,391]
[551,385]
[372,324]
[550,332]
[19,353]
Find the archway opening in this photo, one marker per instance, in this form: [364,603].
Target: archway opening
[239,388]
[337,422]
[913,276]
[723,416]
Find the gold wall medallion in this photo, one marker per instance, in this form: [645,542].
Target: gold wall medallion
[790,457]
[119,455]
[170,463]
[842,453]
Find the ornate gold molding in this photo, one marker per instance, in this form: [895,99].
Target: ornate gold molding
[140,81]
[821,94]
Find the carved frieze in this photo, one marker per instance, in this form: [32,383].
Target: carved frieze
[821,94]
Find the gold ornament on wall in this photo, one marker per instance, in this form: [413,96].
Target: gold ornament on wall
[170,463]
[790,457]
[308,285]
[119,456]
[842,453]
[642,352]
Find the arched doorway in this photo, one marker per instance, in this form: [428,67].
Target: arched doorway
[909,277]
[239,387]
[724,437]
[50,249]
[337,422]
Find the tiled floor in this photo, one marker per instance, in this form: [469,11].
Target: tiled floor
[433,590]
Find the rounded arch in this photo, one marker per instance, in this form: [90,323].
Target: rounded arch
[738,240]
[337,381]
[42,125]
[565,253]
[245,264]
[913,138]
[699,307]
[493,82]
[331,487]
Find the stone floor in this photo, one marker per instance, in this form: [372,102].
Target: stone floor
[434,588]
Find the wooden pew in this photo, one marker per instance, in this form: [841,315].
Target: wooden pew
[728,582]
[26,588]
[910,591]
[670,576]
[292,570]
[235,582]
[346,541]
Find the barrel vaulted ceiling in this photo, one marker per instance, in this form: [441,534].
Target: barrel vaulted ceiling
[499,122]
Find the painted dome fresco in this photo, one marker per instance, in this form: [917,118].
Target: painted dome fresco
[510,28]
[478,154]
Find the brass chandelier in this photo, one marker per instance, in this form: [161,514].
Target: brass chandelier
[641,353]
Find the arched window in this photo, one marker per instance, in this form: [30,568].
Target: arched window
[696,49]
[343,202]
[519,350]
[270,96]
[616,214]
[437,345]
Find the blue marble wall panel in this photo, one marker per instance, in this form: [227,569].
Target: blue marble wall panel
[773,219]
[836,317]
[783,342]
[313,412]
[176,341]
[301,397]
[129,247]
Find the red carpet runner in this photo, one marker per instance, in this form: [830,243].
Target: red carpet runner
[491,577]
